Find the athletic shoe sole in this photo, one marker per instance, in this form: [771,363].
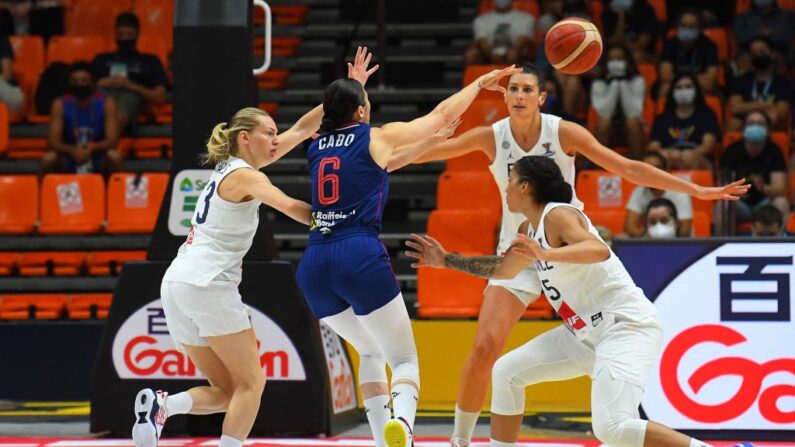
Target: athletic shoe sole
[395,434]
[144,431]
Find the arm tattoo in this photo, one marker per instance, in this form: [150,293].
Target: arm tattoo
[483,266]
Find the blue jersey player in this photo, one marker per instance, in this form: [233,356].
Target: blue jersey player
[345,273]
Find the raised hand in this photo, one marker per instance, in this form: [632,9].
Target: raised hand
[426,250]
[732,191]
[358,70]
[528,248]
[491,81]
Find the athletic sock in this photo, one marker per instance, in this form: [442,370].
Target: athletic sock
[228,441]
[378,413]
[465,422]
[404,402]
[179,403]
[495,443]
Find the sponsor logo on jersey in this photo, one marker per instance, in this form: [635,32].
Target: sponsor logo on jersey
[548,152]
[143,349]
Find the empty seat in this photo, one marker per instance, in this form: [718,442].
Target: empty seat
[284,14]
[482,112]
[702,225]
[28,60]
[152,147]
[19,198]
[468,190]
[4,127]
[154,45]
[472,72]
[285,46]
[721,39]
[95,18]
[26,148]
[48,263]
[8,262]
[791,224]
[473,161]
[104,263]
[72,204]
[660,10]
[782,140]
[88,305]
[157,20]
[27,306]
[274,78]
[602,189]
[134,201]
[612,219]
[69,49]
[465,230]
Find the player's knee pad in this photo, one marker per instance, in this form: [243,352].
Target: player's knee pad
[372,368]
[507,394]
[618,430]
[407,371]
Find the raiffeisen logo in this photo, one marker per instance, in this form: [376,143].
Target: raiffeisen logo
[728,360]
[143,349]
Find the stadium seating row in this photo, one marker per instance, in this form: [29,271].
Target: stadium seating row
[67,263]
[54,306]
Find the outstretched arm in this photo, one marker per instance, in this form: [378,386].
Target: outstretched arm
[405,155]
[251,183]
[575,136]
[476,139]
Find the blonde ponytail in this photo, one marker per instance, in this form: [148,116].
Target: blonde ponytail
[223,139]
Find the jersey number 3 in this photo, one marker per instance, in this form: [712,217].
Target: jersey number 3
[332,164]
[201,218]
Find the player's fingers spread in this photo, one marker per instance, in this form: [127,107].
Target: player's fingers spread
[413,254]
[372,70]
[417,247]
[367,59]
[434,241]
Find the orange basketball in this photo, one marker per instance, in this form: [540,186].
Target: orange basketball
[573,45]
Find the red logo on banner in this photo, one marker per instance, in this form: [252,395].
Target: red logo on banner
[570,317]
[751,372]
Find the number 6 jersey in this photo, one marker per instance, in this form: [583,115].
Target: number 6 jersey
[221,233]
[343,172]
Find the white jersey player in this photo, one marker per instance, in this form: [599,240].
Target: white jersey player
[529,132]
[611,331]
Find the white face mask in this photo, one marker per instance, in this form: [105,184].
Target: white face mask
[684,95]
[662,231]
[617,67]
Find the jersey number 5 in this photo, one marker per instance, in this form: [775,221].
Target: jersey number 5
[552,292]
[333,164]
[201,218]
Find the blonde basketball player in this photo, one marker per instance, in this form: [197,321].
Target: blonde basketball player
[525,132]
[611,331]
[204,311]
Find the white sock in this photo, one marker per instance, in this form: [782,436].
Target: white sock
[696,443]
[465,422]
[179,403]
[378,413]
[228,441]
[404,402]
[495,443]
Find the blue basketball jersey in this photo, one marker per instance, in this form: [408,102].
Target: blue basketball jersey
[349,189]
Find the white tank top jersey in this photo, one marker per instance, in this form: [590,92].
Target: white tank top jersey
[220,235]
[508,151]
[585,295]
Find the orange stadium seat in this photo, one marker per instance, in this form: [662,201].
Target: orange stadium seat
[782,140]
[742,6]
[713,102]
[133,208]
[70,49]
[157,20]
[27,148]
[602,189]
[649,73]
[660,9]
[787,4]
[482,112]
[156,147]
[273,79]
[611,218]
[284,46]
[467,190]
[596,10]
[105,263]
[27,306]
[730,137]
[5,128]
[88,305]
[49,263]
[28,60]
[721,39]
[72,204]
[95,18]
[284,14]
[8,262]
[472,72]
[528,6]
[701,177]
[19,199]
[701,224]
[473,161]
[791,223]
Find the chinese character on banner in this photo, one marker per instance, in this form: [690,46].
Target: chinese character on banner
[753,295]
[156,321]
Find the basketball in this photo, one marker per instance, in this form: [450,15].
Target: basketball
[573,45]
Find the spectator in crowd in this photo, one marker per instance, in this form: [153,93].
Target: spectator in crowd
[40,17]
[689,52]
[641,198]
[10,94]
[761,89]
[618,97]
[83,133]
[552,13]
[756,158]
[555,99]
[768,222]
[503,36]
[765,19]
[631,23]
[687,131]
[661,220]
[134,80]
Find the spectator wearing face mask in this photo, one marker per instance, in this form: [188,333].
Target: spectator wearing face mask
[642,196]
[553,105]
[503,36]
[687,131]
[661,220]
[133,79]
[765,19]
[761,90]
[760,161]
[631,23]
[689,52]
[617,97]
[83,134]
[768,222]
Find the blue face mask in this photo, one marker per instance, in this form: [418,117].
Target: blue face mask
[755,133]
[623,5]
[687,34]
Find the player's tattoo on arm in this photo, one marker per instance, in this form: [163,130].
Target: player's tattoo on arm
[483,266]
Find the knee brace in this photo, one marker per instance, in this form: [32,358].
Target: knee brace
[407,371]
[372,368]
[507,395]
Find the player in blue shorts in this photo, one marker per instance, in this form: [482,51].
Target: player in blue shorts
[345,273]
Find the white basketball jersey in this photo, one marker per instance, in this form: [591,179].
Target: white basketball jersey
[584,295]
[220,234]
[506,153]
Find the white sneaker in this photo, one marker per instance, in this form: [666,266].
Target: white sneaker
[458,442]
[397,433]
[150,417]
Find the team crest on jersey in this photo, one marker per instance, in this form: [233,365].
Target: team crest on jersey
[221,167]
[506,145]
[547,151]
